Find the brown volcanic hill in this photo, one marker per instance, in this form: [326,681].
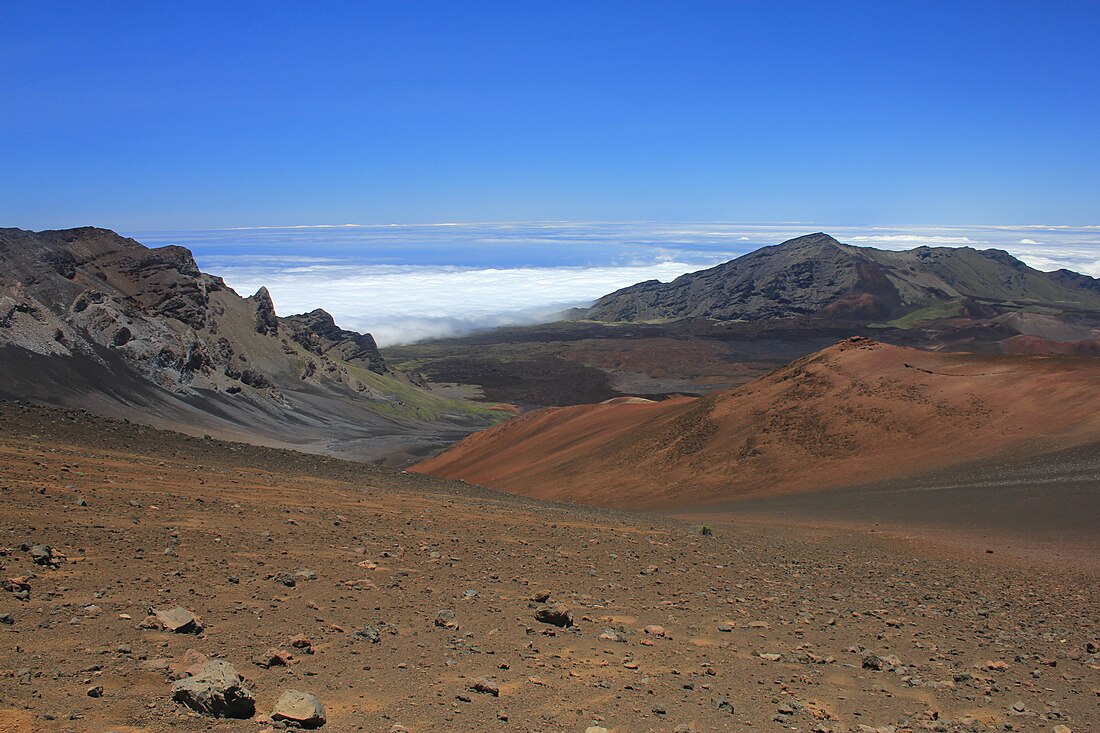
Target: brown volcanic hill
[95,320]
[856,412]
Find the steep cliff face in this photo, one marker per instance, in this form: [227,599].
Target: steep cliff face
[149,319]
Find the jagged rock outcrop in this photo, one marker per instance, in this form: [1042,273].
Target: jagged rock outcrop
[267,323]
[318,333]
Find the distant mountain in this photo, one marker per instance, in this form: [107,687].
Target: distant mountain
[817,276]
[95,320]
[854,413]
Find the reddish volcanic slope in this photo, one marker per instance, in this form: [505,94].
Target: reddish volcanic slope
[856,412]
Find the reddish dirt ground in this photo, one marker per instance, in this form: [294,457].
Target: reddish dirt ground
[764,627]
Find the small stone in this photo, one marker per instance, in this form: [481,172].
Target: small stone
[96,691]
[369,633]
[273,658]
[613,635]
[301,708]
[285,579]
[7,619]
[654,630]
[301,641]
[445,619]
[873,661]
[486,686]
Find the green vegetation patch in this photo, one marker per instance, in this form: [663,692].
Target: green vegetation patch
[941,309]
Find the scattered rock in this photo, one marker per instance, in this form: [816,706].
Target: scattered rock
[217,691]
[445,619]
[301,641]
[96,691]
[177,620]
[556,615]
[285,579]
[273,658]
[873,661]
[486,686]
[369,633]
[46,556]
[300,708]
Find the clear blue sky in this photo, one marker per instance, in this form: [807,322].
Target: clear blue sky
[155,115]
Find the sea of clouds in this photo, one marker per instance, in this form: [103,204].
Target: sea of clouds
[405,283]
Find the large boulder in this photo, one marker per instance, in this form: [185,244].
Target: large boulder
[301,708]
[556,615]
[217,691]
[178,620]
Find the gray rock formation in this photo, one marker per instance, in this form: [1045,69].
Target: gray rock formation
[300,708]
[217,691]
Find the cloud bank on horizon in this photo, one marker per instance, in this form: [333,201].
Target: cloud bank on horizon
[406,283]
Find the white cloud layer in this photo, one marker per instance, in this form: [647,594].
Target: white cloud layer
[403,304]
[407,282]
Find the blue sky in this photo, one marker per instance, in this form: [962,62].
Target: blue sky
[191,115]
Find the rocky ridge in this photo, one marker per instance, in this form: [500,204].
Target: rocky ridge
[815,275]
[91,319]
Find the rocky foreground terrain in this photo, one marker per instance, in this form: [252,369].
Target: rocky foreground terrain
[407,603]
